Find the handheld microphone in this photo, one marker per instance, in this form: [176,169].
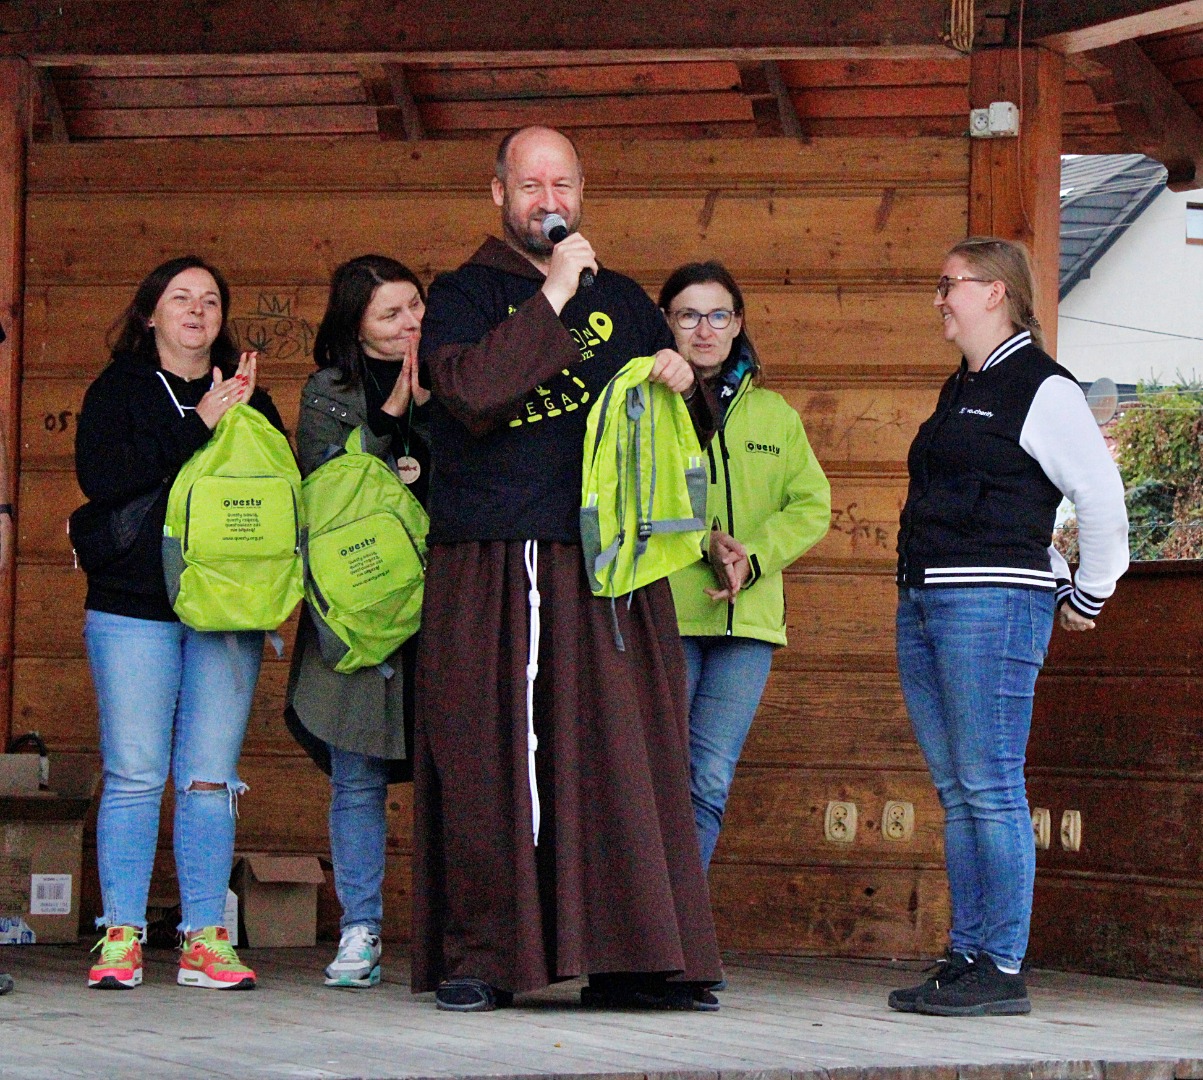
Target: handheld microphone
[555,228]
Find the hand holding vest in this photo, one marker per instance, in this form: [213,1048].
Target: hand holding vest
[643,485]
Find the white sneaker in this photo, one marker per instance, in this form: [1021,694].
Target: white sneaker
[358,961]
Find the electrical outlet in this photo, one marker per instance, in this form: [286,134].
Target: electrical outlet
[897,821]
[839,825]
[1042,827]
[1071,830]
[998,120]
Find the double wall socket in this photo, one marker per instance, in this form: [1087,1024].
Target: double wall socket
[839,824]
[1042,827]
[897,821]
[1071,830]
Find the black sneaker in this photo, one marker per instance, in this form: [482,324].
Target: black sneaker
[471,995]
[948,969]
[982,991]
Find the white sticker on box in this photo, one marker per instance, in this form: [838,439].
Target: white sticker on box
[16,931]
[49,894]
[229,917]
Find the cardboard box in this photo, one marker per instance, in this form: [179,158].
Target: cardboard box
[41,840]
[277,899]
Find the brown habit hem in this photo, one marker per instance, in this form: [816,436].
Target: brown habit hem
[615,883]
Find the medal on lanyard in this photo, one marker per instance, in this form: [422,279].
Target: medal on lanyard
[408,468]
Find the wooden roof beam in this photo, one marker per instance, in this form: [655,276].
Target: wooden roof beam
[1153,117]
[772,107]
[47,121]
[1095,24]
[78,30]
[387,88]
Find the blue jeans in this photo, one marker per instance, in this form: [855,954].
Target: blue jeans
[968,660]
[176,700]
[726,677]
[358,792]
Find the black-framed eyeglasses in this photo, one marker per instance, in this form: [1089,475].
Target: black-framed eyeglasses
[687,318]
[945,283]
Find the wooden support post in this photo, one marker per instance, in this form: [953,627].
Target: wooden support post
[1015,184]
[14,127]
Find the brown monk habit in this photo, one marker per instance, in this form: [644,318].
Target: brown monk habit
[615,883]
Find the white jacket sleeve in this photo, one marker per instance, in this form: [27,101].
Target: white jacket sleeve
[1061,434]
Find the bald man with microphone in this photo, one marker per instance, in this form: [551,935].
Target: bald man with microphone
[554,832]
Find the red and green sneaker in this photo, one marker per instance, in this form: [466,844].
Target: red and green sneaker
[209,960]
[119,966]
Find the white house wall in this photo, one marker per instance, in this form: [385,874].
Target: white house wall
[1149,280]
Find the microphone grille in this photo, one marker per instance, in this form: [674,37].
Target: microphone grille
[553,221]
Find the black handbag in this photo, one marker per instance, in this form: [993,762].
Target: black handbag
[102,534]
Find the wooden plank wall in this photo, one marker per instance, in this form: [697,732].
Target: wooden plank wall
[836,242]
[1117,734]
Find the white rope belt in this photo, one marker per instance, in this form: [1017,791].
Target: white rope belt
[531,555]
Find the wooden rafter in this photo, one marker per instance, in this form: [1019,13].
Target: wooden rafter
[387,88]
[48,124]
[1153,116]
[790,123]
[457,29]
[411,118]
[764,85]
[1093,24]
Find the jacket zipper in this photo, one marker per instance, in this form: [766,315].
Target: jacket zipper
[722,445]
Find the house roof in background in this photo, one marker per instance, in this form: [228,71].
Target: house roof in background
[1101,195]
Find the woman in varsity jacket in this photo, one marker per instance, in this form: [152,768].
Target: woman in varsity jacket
[979,588]
[358,727]
[768,502]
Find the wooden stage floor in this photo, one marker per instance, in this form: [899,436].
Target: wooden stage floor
[782,1019]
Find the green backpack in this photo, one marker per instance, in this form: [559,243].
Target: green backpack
[365,558]
[643,490]
[232,537]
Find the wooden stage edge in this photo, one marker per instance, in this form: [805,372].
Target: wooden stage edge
[782,1019]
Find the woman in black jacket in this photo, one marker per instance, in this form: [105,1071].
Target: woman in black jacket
[979,585]
[171,699]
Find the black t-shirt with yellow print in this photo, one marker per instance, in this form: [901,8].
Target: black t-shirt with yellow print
[521,479]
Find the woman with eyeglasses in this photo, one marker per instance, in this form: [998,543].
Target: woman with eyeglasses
[768,502]
[979,587]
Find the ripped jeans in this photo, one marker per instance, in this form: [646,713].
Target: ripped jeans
[170,699]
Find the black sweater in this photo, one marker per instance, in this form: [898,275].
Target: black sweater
[513,385]
[131,439]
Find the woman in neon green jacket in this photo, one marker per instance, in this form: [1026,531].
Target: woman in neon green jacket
[768,503]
